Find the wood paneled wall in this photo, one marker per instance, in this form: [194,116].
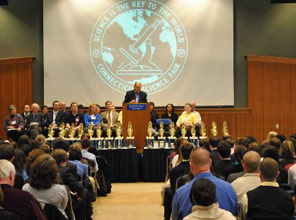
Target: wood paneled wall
[15,85]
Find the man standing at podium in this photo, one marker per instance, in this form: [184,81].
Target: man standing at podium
[136,95]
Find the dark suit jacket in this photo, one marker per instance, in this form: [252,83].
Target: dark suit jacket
[130,95]
[59,118]
[39,118]
[179,170]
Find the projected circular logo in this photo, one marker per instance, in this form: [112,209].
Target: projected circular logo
[138,41]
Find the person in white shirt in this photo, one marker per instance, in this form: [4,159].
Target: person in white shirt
[86,144]
[193,105]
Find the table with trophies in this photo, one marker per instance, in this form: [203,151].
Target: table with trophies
[122,156]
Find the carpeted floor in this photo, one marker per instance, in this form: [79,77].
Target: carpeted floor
[130,201]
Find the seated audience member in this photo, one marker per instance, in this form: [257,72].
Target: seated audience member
[81,199]
[242,141]
[41,139]
[63,107]
[86,145]
[5,215]
[224,159]
[43,183]
[272,152]
[13,124]
[31,158]
[188,118]
[270,135]
[35,121]
[109,117]
[178,156]
[239,152]
[44,111]
[19,163]
[176,172]
[286,153]
[81,109]
[250,180]
[214,142]
[204,143]
[268,199]
[46,148]
[75,157]
[74,117]
[251,138]
[200,164]
[276,142]
[21,203]
[92,118]
[27,111]
[170,113]
[153,116]
[24,139]
[193,105]
[203,197]
[60,143]
[56,117]
[282,137]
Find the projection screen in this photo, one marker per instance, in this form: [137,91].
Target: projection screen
[180,50]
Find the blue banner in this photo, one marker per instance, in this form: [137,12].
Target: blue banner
[136,107]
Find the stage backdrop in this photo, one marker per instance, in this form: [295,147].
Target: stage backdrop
[181,50]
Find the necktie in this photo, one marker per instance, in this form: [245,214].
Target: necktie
[109,117]
[137,97]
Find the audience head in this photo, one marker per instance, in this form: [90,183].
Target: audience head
[63,106]
[12,109]
[272,152]
[230,142]
[203,192]
[178,144]
[19,160]
[56,105]
[74,107]
[224,150]
[276,142]
[227,137]
[251,162]
[76,145]
[287,150]
[86,143]
[24,139]
[204,143]
[282,137]
[98,110]
[84,136]
[60,156]
[193,105]
[251,138]
[46,148]
[75,154]
[137,87]
[242,141]
[27,108]
[7,172]
[35,108]
[44,110]
[269,170]
[170,108]
[188,108]
[60,143]
[270,135]
[239,152]
[35,144]
[31,158]
[40,138]
[7,152]
[92,109]
[200,161]
[108,105]
[214,142]
[26,148]
[43,172]
[186,150]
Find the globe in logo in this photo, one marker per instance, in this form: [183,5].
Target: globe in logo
[138,41]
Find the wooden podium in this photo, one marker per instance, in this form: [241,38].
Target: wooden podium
[139,115]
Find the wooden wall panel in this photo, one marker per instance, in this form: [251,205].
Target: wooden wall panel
[16,85]
[292,114]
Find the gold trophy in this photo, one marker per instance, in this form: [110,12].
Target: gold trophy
[172,129]
[203,131]
[161,138]
[80,130]
[72,131]
[118,139]
[183,131]
[225,129]
[90,131]
[62,130]
[193,138]
[109,138]
[130,137]
[118,131]
[193,131]
[51,131]
[99,131]
[149,138]
[214,129]
[161,130]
